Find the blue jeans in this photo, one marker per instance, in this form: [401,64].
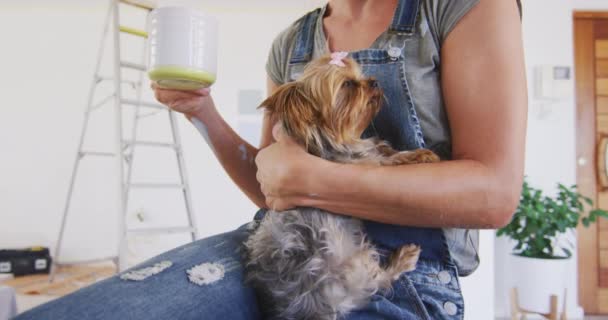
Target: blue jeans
[430,292]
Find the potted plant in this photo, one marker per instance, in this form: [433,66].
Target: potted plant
[542,229]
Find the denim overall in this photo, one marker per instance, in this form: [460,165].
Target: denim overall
[396,122]
[432,291]
[435,282]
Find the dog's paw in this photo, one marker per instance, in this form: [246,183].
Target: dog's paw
[425,156]
[412,157]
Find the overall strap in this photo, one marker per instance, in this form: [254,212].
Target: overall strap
[404,20]
[302,50]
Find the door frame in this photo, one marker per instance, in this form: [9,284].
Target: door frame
[586,153]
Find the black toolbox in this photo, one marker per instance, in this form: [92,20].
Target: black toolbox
[26,261]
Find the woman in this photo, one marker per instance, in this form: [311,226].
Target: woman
[453,75]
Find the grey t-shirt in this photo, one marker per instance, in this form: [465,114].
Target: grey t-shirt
[437,18]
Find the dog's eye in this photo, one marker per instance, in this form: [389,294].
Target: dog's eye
[349,84]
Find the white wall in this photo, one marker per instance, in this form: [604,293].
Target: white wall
[550,150]
[47,61]
[47,58]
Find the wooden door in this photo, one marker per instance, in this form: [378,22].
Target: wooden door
[591,73]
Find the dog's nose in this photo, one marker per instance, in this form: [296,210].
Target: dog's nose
[373,83]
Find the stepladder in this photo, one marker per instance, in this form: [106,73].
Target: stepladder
[125,81]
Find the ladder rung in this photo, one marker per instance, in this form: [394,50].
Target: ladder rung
[132,65]
[157,185]
[105,78]
[133,31]
[162,230]
[142,4]
[144,104]
[96,153]
[150,144]
[149,114]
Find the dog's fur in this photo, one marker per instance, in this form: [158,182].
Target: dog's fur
[307,263]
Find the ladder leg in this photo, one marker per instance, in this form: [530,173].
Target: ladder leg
[120,184]
[83,131]
[64,217]
[131,157]
[183,176]
[138,94]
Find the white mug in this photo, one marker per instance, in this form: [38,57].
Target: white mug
[183,48]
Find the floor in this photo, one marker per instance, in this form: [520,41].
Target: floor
[35,290]
[28,301]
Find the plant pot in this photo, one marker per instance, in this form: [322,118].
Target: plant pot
[537,279]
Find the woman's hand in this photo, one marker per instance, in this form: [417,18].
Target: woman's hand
[189,103]
[282,168]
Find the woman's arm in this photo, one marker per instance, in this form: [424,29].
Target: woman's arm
[484,88]
[235,154]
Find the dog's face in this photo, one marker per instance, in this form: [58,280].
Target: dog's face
[328,108]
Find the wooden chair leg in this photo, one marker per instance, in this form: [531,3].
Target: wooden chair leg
[517,313]
[514,305]
[564,302]
[553,305]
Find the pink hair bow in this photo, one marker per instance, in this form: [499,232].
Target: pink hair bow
[336,58]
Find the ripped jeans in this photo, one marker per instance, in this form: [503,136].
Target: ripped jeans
[204,280]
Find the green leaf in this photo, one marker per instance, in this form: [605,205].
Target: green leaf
[599,212]
[540,218]
[588,200]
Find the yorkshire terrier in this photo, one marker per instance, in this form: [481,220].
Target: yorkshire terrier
[308,263]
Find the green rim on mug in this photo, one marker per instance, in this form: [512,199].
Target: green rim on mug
[180,78]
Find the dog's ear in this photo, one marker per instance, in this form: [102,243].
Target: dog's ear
[296,112]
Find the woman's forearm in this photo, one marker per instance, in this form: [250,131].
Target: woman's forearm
[460,193]
[484,89]
[235,154]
